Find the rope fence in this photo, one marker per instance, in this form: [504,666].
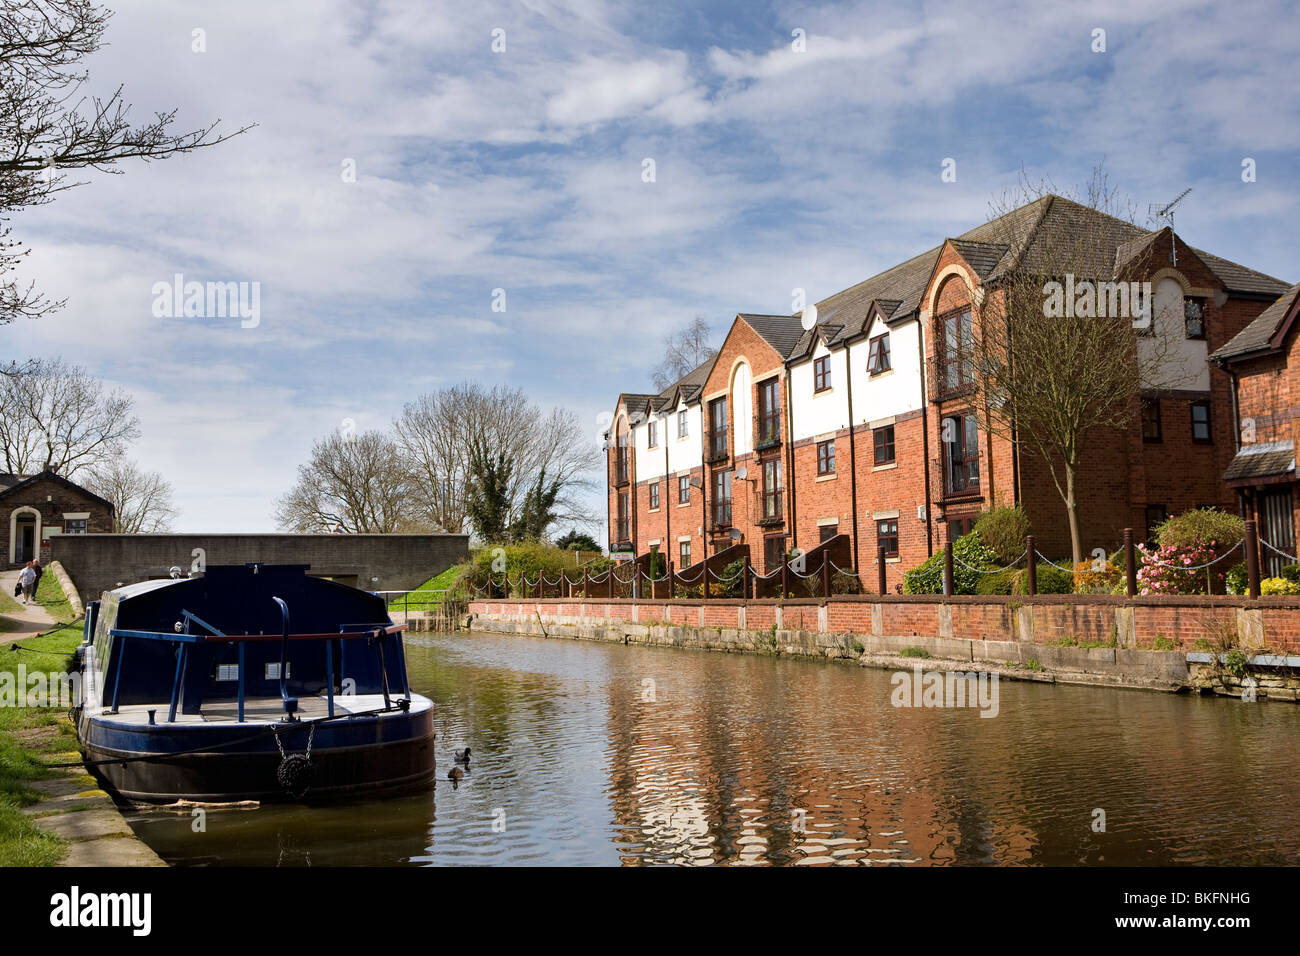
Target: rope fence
[637,581]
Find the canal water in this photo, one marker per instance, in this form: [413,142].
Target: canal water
[594,754]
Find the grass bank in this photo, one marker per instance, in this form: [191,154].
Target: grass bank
[443,583]
[23,759]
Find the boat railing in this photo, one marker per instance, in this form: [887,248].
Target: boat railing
[185,637]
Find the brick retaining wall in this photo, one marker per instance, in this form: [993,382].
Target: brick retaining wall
[1046,619]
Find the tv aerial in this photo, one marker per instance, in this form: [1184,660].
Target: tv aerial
[1165,213]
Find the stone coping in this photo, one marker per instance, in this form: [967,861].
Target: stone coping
[1279,601]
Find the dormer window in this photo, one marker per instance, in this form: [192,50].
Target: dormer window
[878,357]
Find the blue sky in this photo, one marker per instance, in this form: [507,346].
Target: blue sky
[521,170]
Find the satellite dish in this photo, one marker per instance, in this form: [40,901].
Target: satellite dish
[735,534]
[741,472]
[808,317]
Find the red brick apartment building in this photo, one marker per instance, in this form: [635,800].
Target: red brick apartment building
[864,424]
[1263,364]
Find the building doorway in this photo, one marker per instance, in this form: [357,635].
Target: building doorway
[1276,531]
[24,534]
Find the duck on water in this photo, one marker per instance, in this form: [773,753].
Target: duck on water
[249,682]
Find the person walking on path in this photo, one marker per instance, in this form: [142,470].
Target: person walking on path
[28,581]
[36,566]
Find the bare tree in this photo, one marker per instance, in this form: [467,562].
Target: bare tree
[142,500]
[1051,374]
[354,485]
[685,348]
[57,416]
[438,431]
[48,127]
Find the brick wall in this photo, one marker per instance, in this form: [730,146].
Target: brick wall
[1047,619]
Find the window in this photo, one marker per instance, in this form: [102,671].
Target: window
[684,554]
[228,672]
[722,499]
[769,411]
[652,433]
[1151,419]
[772,489]
[956,351]
[826,457]
[773,553]
[683,490]
[827,531]
[1194,318]
[961,453]
[74,526]
[1156,515]
[884,442]
[822,373]
[1201,423]
[683,429]
[718,428]
[887,536]
[654,496]
[623,518]
[960,527]
[878,356]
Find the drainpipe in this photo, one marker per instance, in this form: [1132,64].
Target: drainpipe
[789,455]
[925,437]
[664,502]
[1015,440]
[1236,411]
[853,457]
[704,497]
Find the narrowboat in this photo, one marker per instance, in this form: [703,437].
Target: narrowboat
[249,682]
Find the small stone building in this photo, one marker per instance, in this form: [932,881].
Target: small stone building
[37,507]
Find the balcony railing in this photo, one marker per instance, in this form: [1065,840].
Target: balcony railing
[721,514]
[620,472]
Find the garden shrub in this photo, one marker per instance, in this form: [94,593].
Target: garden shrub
[1270,586]
[1237,579]
[1291,572]
[1173,569]
[1203,527]
[927,577]
[530,558]
[1047,580]
[1088,579]
[1003,530]
[1000,582]
[735,571]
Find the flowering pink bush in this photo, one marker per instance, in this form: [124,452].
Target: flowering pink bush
[1176,569]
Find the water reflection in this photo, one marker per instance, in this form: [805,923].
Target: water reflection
[747,760]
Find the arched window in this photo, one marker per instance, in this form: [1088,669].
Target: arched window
[742,413]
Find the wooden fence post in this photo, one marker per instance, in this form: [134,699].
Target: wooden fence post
[1031,567]
[1252,559]
[1130,564]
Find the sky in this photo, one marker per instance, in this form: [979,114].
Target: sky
[412,161]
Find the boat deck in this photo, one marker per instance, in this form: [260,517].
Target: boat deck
[259,710]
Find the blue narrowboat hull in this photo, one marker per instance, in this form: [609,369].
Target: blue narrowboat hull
[353,757]
[199,689]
